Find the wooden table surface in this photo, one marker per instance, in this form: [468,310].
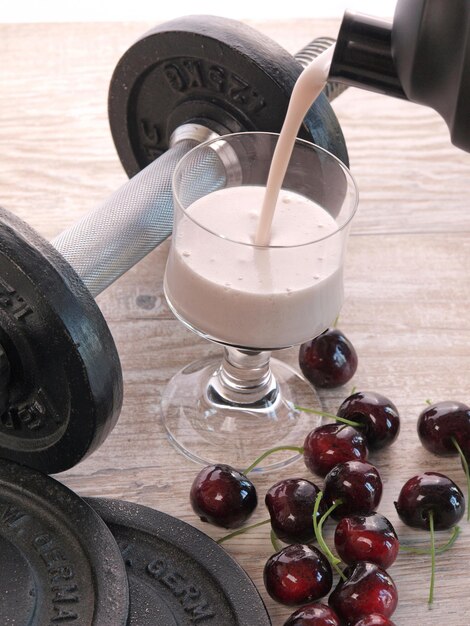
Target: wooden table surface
[407,281]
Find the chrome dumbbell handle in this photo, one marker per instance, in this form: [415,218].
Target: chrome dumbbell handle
[112,238]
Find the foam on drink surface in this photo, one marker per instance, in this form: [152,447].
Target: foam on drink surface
[258,297]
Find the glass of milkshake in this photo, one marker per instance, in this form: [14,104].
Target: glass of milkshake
[250,297]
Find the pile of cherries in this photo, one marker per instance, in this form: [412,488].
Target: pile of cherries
[300,573]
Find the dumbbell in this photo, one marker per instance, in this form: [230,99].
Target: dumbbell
[181,83]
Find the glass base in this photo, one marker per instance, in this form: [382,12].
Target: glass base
[207,429]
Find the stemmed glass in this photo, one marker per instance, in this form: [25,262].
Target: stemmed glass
[251,300]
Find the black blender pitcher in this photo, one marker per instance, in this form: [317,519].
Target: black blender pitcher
[423,56]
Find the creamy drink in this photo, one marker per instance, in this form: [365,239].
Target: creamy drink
[257,297]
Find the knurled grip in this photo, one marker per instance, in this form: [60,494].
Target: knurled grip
[137,217]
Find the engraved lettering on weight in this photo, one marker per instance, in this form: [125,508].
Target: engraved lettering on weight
[12,517]
[217,77]
[12,302]
[57,574]
[65,594]
[33,416]
[63,590]
[189,595]
[150,132]
[174,77]
[63,615]
[52,557]
[150,137]
[193,73]
[126,549]
[17,419]
[257,103]
[238,89]
[187,74]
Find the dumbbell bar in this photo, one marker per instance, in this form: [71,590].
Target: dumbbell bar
[183,82]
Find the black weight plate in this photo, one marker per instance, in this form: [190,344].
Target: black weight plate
[178,576]
[65,390]
[211,70]
[59,563]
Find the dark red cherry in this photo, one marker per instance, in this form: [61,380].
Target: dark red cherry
[439,423]
[329,360]
[297,574]
[315,614]
[430,501]
[368,589]
[290,504]
[374,620]
[367,538]
[328,445]
[378,415]
[357,484]
[428,492]
[223,496]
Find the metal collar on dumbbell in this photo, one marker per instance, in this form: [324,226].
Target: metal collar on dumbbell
[195,132]
[226,154]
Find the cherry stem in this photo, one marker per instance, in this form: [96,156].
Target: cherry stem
[274,541]
[343,420]
[318,526]
[271,451]
[467,473]
[243,530]
[433,557]
[439,549]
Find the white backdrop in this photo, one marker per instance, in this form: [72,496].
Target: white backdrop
[132,10]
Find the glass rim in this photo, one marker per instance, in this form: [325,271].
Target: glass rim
[298,140]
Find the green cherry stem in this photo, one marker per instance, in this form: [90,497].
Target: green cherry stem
[439,549]
[343,420]
[318,526]
[467,473]
[433,557]
[271,451]
[243,530]
[274,541]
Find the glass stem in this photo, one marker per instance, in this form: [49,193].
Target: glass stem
[243,378]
